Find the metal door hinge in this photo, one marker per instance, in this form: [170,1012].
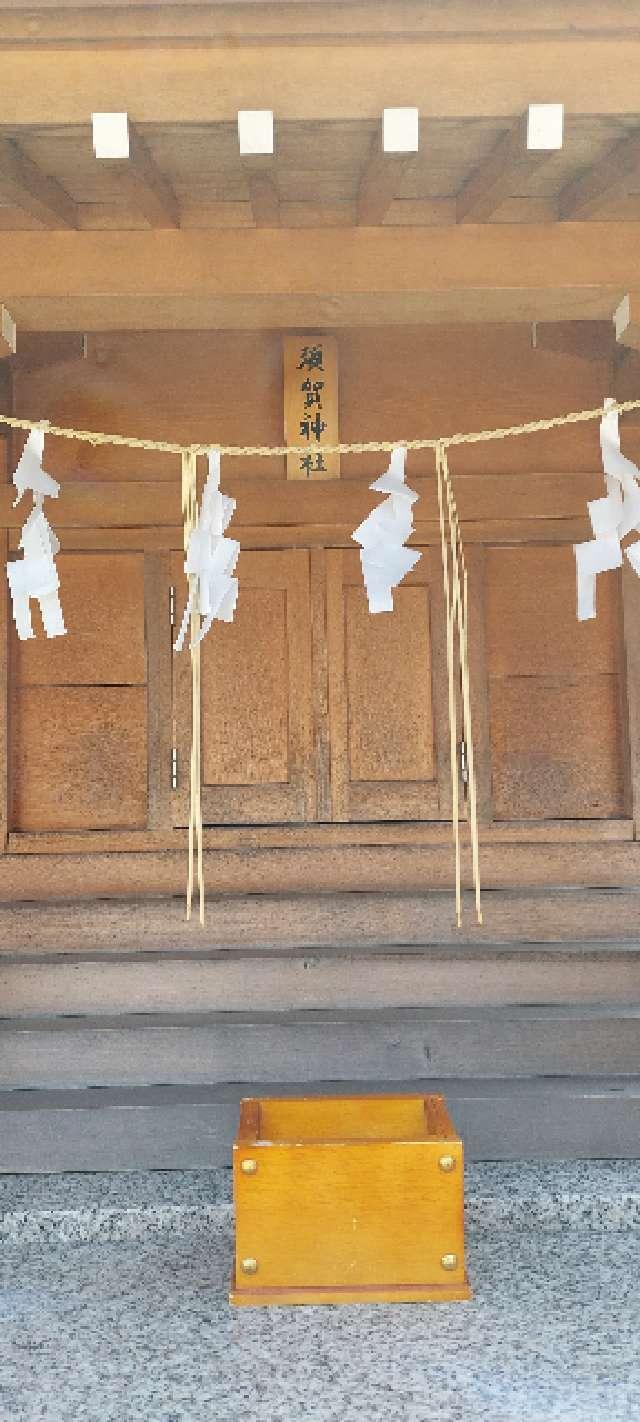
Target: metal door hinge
[172,606]
[174,768]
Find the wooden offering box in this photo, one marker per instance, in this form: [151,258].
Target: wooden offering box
[348,1200]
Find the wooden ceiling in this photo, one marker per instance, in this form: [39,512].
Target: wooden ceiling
[323,173]
[329,231]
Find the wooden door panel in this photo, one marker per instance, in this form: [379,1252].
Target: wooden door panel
[79,757]
[379,650]
[387,696]
[78,704]
[245,694]
[257,763]
[558,744]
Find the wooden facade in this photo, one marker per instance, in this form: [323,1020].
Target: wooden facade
[467,288]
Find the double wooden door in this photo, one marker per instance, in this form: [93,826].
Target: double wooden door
[312,710]
[316,712]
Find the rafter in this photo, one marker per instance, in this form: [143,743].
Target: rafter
[260,173]
[612,177]
[380,184]
[509,164]
[147,188]
[24,184]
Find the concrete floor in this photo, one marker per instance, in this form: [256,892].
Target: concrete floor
[139,1327]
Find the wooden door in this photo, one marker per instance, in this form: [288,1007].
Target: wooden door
[558,743]
[78,704]
[388,728]
[257,761]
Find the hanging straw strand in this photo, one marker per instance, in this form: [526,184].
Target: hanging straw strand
[461,608]
[190,515]
[447,575]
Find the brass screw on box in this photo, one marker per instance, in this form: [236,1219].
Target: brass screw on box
[449,1261]
[447,1163]
[249,1167]
[249,1266]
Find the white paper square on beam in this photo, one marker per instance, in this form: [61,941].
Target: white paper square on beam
[545,127]
[400,130]
[255,130]
[110,135]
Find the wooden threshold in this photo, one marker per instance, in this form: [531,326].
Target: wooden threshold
[320,836]
[355,868]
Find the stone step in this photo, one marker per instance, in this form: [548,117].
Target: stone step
[182,1127]
[322,978]
[341,920]
[137,1205]
[388,1045]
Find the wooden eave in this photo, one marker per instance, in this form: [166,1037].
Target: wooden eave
[329,231]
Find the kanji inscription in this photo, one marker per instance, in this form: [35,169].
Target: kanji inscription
[311,405]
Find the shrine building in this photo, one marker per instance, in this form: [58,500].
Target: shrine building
[289,223]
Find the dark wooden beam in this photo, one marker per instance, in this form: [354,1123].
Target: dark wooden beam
[260,172]
[81,281]
[609,179]
[147,188]
[24,184]
[508,165]
[380,184]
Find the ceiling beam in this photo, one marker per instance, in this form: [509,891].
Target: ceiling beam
[446,78]
[145,186]
[509,164]
[23,184]
[93,280]
[609,179]
[72,19]
[582,340]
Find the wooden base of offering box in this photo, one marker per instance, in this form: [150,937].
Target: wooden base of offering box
[348,1200]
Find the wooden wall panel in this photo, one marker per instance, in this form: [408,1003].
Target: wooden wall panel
[558,745]
[185,386]
[425,381]
[556,748]
[79,757]
[395,382]
[532,628]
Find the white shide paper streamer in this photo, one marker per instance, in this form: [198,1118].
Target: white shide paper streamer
[211,558]
[35,574]
[612,517]
[385,561]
